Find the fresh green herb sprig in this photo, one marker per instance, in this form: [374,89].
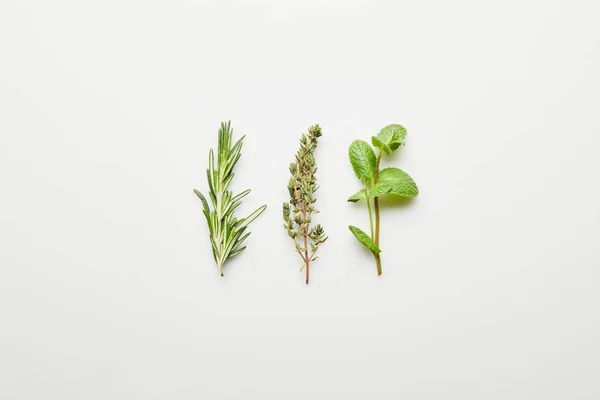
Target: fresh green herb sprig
[297,214]
[376,183]
[226,231]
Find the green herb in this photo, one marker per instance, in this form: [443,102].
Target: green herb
[226,231]
[302,187]
[377,183]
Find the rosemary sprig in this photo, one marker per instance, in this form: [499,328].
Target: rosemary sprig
[302,187]
[226,231]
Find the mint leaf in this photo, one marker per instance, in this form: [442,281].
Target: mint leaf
[392,136]
[381,145]
[380,188]
[399,182]
[361,195]
[364,239]
[362,158]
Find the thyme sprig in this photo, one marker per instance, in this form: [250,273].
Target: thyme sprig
[297,214]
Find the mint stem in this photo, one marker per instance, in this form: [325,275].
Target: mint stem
[370,213]
[377,219]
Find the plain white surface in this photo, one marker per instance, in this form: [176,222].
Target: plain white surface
[491,277]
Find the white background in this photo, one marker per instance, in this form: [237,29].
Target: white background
[491,276]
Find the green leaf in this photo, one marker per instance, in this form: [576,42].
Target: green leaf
[363,160]
[244,222]
[399,182]
[204,202]
[361,195]
[237,251]
[380,145]
[393,136]
[365,239]
[379,189]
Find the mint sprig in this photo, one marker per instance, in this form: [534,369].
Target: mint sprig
[376,183]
